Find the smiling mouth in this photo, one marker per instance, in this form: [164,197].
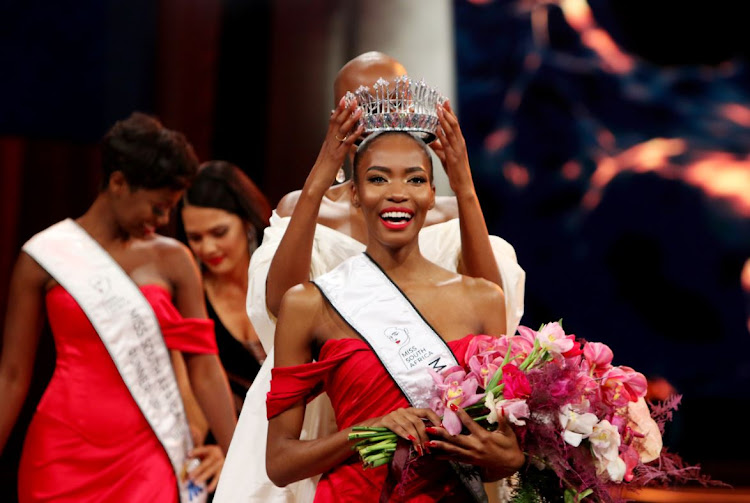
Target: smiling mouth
[215,261]
[396,218]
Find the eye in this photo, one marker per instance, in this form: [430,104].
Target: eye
[376,179]
[418,180]
[159,211]
[194,238]
[220,231]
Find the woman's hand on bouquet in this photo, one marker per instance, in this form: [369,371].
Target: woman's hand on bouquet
[496,452]
[409,424]
[211,462]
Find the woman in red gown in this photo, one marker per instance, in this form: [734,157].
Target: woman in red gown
[89,440]
[393,187]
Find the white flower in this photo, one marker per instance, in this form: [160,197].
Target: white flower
[605,445]
[576,426]
[516,409]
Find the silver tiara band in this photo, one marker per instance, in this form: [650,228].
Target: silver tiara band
[400,105]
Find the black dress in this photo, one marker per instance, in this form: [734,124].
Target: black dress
[239,363]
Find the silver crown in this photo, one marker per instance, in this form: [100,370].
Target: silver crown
[400,105]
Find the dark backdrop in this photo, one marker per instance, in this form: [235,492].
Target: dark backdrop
[605,177]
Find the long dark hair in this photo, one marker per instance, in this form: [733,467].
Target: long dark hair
[223,185]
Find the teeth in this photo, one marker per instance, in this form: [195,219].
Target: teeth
[396,215]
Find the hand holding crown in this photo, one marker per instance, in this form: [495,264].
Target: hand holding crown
[450,148]
[343,131]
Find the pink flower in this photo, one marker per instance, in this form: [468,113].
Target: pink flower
[622,384]
[454,388]
[516,383]
[483,367]
[482,344]
[598,356]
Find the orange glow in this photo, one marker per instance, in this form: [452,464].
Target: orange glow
[739,114]
[571,170]
[745,276]
[719,175]
[497,140]
[724,177]
[578,15]
[516,174]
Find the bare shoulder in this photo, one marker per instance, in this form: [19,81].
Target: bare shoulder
[303,301]
[287,203]
[28,271]
[169,248]
[484,295]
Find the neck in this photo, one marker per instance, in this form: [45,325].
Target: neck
[403,262]
[100,223]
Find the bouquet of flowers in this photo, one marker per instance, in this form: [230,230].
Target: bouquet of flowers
[583,423]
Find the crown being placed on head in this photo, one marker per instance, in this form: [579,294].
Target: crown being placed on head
[400,105]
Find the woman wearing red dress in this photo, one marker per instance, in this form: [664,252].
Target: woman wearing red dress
[94,434]
[319,346]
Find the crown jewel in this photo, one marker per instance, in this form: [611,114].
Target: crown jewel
[400,105]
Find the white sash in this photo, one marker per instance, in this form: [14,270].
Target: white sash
[129,329]
[378,311]
[406,345]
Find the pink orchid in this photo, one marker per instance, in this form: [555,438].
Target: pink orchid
[481,344]
[598,357]
[622,384]
[455,388]
[483,367]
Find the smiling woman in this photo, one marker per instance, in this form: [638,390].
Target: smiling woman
[329,337]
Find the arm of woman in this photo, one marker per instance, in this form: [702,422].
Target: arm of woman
[477,259]
[206,374]
[291,262]
[288,458]
[23,326]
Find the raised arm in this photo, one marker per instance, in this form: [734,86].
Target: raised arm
[23,325]
[477,259]
[291,262]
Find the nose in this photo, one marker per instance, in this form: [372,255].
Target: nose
[397,193]
[206,247]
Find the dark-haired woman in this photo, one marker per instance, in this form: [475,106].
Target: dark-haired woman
[223,217]
[120,300]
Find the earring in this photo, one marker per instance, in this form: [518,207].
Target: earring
[340,176]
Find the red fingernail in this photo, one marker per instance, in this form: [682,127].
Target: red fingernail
[431,430]
[431,443]
[454,407]
[411,437]
[419,450]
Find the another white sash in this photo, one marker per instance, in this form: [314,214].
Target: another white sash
[377,310]
[129,329]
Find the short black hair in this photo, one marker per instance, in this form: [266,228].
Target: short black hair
[373,138]
[223,185]
[149,155]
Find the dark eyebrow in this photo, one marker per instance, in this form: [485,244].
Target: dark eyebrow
[389,171]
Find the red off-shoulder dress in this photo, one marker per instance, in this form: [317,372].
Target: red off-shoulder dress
[360,388]
[88,441]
